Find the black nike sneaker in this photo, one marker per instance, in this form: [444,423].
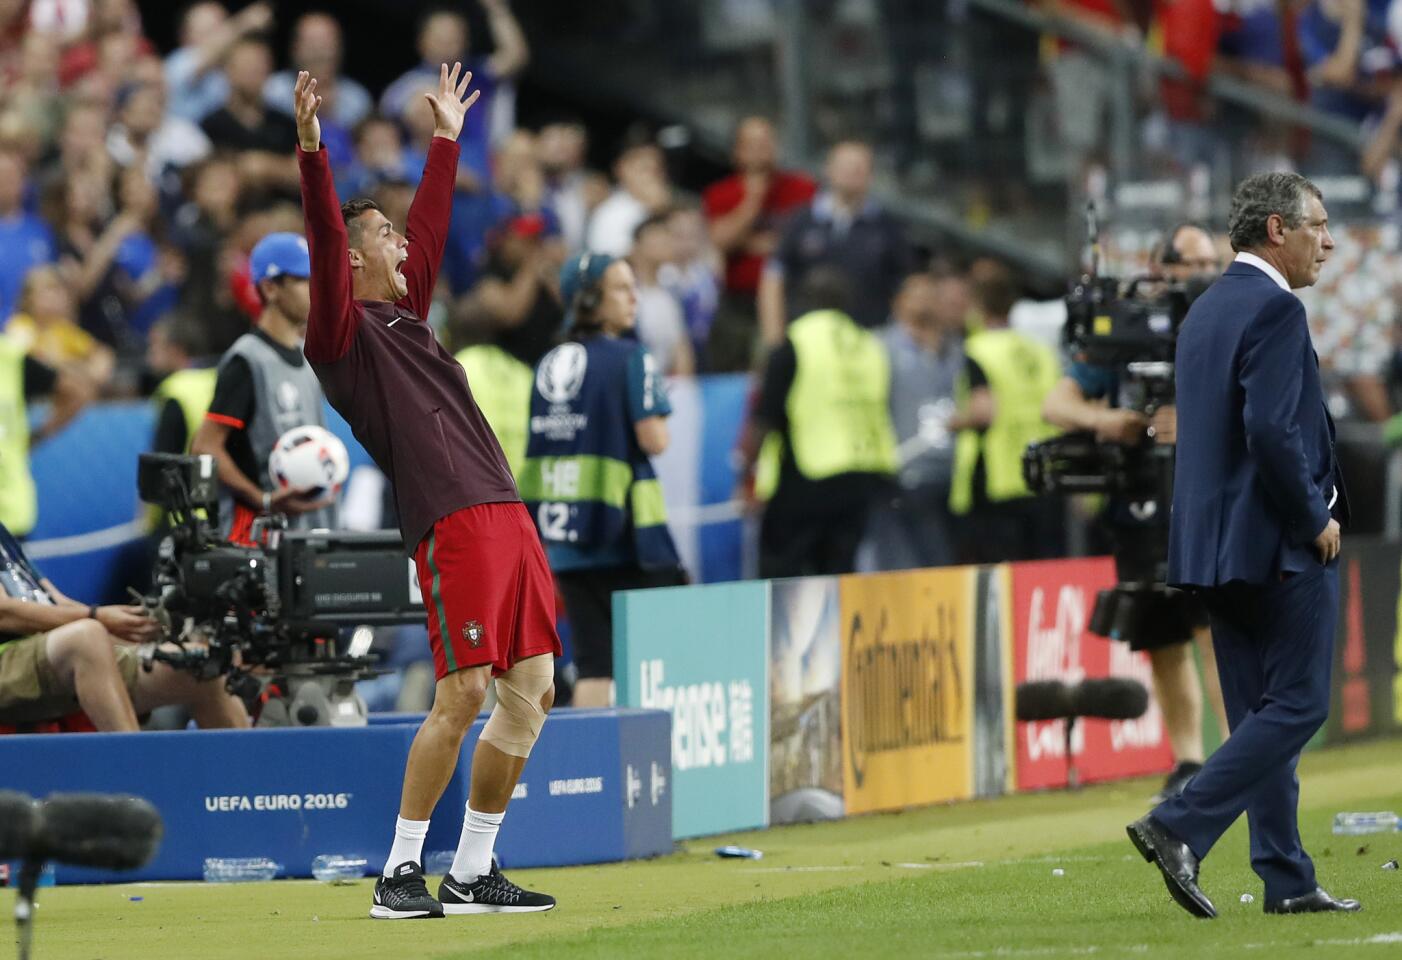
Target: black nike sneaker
[491,893]
[404,896]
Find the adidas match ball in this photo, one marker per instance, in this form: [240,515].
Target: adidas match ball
[309,457]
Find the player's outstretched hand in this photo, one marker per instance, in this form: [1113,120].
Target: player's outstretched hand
[448,104]
[306,101]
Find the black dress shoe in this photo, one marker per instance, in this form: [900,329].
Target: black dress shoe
[1317,902]
[1176,781]
[1177,863]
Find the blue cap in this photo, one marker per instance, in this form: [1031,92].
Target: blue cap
[279,255]
[580,271]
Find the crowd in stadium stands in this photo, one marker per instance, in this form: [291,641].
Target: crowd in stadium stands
[1341,56]
[135,182]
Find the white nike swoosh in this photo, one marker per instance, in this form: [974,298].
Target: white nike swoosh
[394,321]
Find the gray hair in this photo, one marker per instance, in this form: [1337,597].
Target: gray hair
[1260,196]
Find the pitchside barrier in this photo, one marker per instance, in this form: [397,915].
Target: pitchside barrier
[822,697]
[596,788]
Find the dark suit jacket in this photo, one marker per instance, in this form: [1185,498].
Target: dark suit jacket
[1255,470]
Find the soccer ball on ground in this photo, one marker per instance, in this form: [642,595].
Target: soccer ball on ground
[309,457]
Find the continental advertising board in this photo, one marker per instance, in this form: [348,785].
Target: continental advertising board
[1052,604]
[907,688]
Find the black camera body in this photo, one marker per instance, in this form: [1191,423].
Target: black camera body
[279,608]
[1133,328]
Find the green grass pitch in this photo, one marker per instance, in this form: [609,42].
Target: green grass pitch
[960,882]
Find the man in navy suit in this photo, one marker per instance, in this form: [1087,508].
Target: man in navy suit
[1257,504]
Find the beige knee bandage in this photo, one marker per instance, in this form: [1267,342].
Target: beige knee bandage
[518,716]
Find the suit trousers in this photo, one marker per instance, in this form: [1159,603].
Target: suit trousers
[1275,651]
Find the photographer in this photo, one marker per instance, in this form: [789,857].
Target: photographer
[58,656]
[265,388]
[1097,399]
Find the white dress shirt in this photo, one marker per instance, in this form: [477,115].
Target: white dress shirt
[1264,267]
[1274,274]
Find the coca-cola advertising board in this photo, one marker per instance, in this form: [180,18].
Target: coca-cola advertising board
[1052,606]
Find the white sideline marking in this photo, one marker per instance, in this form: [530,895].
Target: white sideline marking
[705,514]
[1376,940]
[800,869]
[86,542]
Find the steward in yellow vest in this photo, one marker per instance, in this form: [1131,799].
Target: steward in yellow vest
[502,386]
[22,378]
[1005,520]
[1020,373]
[19,502]
[182,399]
[829,448]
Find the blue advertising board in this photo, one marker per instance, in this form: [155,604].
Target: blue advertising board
[702,653]
[595,789]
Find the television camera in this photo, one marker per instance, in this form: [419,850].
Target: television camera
[1130,326]
[277,610]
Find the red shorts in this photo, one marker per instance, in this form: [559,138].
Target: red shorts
[487,588]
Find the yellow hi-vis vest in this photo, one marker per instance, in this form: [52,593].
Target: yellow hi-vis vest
[193,389]
[1021,372]
[838,406]
[501,385]
[19,502]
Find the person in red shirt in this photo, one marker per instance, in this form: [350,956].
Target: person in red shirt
[746,212]
[486,584]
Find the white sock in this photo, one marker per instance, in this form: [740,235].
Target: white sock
[479,835]
[408,844]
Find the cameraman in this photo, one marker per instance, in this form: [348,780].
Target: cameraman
[58,656]
[265,388]
[1094,398]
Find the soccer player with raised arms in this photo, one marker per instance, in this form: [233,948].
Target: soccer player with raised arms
[486,584]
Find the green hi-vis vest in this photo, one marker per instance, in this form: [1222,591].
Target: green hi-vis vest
[501,385]
[19,503]
[193,389]
[838,406]
[1021,372]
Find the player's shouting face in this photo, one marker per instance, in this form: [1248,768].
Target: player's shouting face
[377,252]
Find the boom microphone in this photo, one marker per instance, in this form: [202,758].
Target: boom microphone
[1105,698]
[1110,698]
[17,823]
[1043,700]
[96,830]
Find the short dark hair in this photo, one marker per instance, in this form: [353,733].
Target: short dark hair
[1258,198]
[997,289]
[824,287]
[184,333]
[652,220]
[351,212]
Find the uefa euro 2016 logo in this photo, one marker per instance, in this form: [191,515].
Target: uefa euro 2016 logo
[561,373]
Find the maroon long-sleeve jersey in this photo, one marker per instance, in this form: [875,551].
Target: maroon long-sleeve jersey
[404,396]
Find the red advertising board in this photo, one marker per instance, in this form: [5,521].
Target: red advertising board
[1052,606]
